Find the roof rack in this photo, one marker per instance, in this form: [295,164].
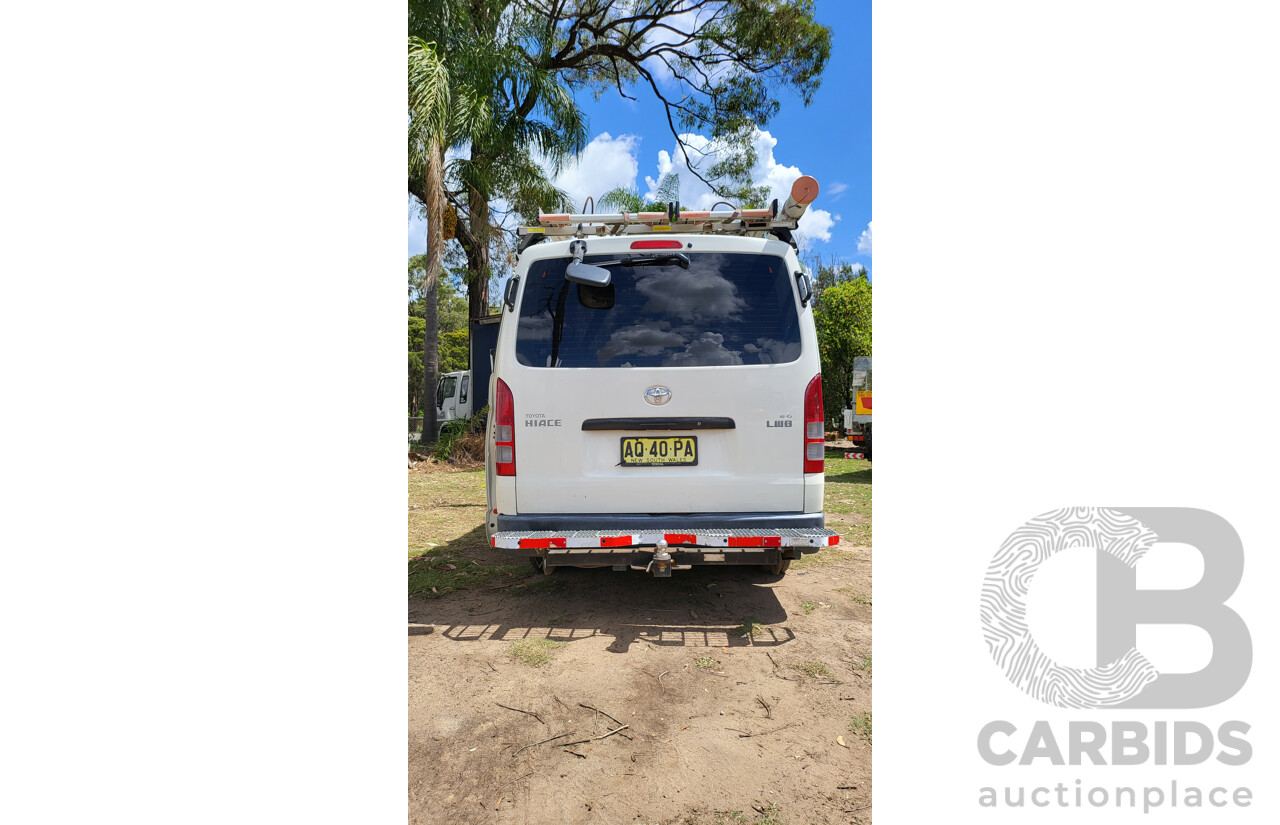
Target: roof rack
[751,222]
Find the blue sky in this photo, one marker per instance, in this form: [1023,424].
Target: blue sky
[830,140]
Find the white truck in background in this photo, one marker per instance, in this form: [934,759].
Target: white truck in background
[465,393]
[857,421]
[453,397]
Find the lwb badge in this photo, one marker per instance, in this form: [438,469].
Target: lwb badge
[657,395]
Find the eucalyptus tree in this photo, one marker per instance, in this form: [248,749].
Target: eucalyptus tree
[717,66]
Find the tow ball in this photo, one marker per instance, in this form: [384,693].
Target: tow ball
[660,566]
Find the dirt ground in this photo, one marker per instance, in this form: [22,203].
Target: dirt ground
[745,697]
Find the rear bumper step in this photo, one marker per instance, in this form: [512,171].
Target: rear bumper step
[804,539]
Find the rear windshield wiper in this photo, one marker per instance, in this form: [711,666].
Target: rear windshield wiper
[678,258]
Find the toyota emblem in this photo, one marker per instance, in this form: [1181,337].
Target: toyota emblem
[657,396]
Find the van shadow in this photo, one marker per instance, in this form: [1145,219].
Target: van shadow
[851,477]
[710,607]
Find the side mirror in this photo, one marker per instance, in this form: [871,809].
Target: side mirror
[588,274]
[581,273]
[806,288]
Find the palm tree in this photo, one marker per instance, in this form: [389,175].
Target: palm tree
[534,127]
[629,200]
[442,113]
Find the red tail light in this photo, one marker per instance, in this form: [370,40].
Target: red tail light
[815,447]
[504,419]
[656,244]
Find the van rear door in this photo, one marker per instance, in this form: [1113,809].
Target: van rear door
[673,389]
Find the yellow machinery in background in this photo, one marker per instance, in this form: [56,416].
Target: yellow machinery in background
[857,421]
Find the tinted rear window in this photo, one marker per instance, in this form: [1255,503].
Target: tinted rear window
[725,309]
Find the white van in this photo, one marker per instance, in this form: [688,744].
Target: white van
[656,395]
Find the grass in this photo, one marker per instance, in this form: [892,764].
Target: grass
[446,506]
[831,555]
[865,664]
[707,663]
[730,816]
[749,628]
[446,518]
[533,652]
[768,817]
[438,571]
[809,607]
[861,725]
[847,492]
[860,598]
[848,486]
[446,535]
[814,670]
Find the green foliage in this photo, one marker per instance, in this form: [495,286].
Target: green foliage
[452,344]
[727,64]
[415,374]
[451,303]
[843,318]
[453,348]
[861,725]
[629,200]
[521,63]
[454,430]
[454,351]
[417,329]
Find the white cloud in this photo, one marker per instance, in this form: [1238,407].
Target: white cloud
[815,225]
[864,240]
[608,162]
[605,164]
[836,190]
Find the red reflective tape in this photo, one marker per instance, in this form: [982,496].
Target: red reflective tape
[615,541]
[833,540]
[535,544]
[772,541]
[493,542]
[679,538]
[557,542]
[745,541]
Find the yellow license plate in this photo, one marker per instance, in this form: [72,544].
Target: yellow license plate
[667,451]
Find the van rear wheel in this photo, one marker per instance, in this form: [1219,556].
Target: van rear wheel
[776,569]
